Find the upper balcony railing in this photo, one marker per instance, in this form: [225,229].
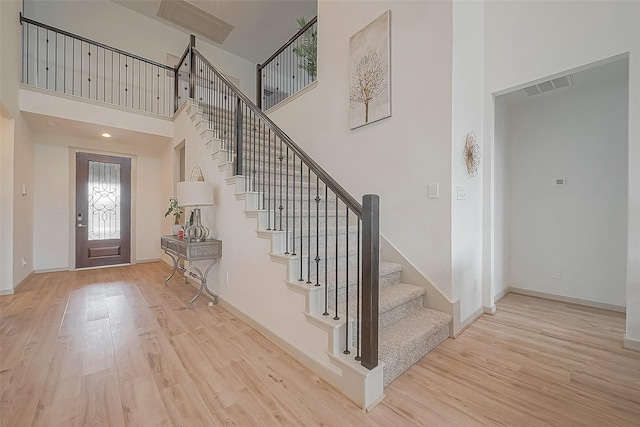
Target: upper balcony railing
[293,67]
[57,60]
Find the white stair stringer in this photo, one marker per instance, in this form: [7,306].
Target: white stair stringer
[398,313]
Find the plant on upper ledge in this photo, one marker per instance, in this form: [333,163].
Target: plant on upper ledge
[307,50]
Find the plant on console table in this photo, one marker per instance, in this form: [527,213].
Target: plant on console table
[176,211]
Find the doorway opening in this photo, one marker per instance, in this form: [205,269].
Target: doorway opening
[561,187]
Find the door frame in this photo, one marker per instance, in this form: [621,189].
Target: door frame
[73,149]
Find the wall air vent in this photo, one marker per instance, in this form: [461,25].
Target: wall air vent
[194,19]
[548,86]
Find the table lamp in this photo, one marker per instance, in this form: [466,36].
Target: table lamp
[195,194]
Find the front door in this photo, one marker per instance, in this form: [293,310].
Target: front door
[103,210]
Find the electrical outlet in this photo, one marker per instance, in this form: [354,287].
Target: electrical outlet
[557,274]
[24,262]
[226,277]
[475,285]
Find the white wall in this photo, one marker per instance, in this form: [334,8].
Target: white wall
[467,115]
[55,197]
[396,157]
[502,183]
[116,26]
[17,157]
[22,204]
[527,41]
[577,231]
[6,205]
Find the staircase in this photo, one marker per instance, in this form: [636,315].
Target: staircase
[407,330]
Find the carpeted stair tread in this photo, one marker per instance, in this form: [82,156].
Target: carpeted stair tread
[407,340]
[397,294]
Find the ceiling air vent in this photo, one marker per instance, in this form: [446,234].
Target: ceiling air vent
[194,19]
[550,85]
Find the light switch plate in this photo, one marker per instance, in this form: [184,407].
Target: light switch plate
[434,191]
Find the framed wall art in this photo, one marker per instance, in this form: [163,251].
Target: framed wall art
[370,72]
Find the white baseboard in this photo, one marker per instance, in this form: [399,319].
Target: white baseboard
[500,295]
[18,286]
[469,320]
[630,344]
[489,310]
[51,270]
[570,300]
[316,367]
[142,261]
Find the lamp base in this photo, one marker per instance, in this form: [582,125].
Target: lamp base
[196,232]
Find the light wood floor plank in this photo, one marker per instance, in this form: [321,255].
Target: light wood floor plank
[114,347]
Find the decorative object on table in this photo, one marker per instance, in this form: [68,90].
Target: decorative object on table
[370,72]
[175,210]
[307,49]
[195,193]
[472,154]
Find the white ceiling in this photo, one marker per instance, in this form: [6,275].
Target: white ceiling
[260,26]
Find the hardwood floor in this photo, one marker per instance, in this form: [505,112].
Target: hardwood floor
[113,347]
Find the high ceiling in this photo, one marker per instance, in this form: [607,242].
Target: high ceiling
[260,27]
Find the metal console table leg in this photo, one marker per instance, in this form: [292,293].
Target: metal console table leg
[175,267]
[203,284]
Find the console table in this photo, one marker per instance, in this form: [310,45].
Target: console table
[179,248]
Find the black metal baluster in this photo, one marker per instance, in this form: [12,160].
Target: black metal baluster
[286,223]
[64,68]
[301,205]
[263,135]
[293,222]
[358,302]
[104,76]
[255,170]
[326,261]
[281,207]
[38,56]
[55,70]
[336,263]
[126,81]
[346,280]
[46,68]
[318,231]
[89,72]
[309,226]
[25,57]
[271,180]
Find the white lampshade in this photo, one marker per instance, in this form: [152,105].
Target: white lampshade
[195,193]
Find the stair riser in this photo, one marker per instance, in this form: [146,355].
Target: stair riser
[384,280]
[313,242]
[274,221]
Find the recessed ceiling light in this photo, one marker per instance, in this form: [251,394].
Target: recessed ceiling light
[106,135]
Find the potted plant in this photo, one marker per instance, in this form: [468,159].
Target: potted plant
[307,49]
[175,210]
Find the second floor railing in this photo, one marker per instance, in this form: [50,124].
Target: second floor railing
[57,60]
[291,68]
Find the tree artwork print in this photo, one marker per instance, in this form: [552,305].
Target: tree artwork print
[370,72]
